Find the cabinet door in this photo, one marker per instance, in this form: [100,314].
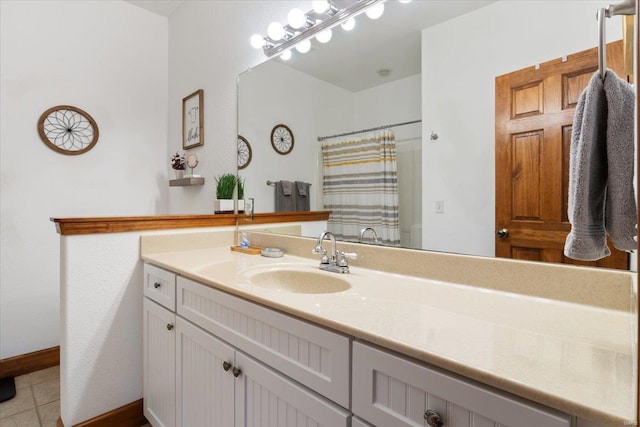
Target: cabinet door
[205,389]
[311,355]
[392,391]
[159,385]
[265,398]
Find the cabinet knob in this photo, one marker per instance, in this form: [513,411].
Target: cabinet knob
[503,233]
[236,372]
[157,285]
[169,326]
[226,365]
[433,418]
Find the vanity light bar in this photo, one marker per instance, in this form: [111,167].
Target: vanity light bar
[336,16]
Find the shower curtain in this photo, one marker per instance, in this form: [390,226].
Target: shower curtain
[360,186]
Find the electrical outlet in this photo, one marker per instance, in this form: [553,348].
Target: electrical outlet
[440,206]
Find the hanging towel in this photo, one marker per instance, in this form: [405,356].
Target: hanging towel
[285,202]
[303,199]
[588,175]
[287,187]
[620,204]
[302,188]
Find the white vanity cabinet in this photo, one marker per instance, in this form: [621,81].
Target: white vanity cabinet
[192,377]
[389,390]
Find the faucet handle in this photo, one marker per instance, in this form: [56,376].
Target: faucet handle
[342,258]
[350,255]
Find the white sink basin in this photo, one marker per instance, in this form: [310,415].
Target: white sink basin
[296,279]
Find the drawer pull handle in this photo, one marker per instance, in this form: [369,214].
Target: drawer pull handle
[433,418]
[236,372]
[226,365]
[169,326]
[157,285]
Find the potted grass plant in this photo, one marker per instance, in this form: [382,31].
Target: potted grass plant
[225,187]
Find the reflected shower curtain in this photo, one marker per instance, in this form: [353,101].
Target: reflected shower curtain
[360,186]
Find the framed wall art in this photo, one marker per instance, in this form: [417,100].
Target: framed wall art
[192,120]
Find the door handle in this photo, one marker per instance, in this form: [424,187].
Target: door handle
[503,233]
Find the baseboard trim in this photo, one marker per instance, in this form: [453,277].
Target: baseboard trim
[130,415]
[29,362]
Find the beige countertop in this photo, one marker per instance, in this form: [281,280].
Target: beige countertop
[577,358]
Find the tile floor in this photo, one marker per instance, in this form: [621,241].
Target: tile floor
[37,401]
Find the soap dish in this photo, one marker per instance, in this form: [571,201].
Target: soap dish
[272,252]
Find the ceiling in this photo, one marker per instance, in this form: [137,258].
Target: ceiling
[161,7]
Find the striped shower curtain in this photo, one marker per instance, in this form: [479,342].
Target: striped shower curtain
[360,186]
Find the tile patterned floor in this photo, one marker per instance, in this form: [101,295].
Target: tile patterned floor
[37,401]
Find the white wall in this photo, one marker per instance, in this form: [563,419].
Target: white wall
[110,59]
[460,60]
[274,93]
[208,48]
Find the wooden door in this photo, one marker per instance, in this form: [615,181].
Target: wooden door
[534,116]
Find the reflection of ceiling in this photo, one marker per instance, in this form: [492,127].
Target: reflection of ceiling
[392,41]
[161,7]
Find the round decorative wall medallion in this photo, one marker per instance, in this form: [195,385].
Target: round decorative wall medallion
[68,130]
[282,139]
[244,152]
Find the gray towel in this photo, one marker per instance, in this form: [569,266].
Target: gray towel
[284,202]
[287,187]
[601,195]
[303,200]
[588,175]
[302,188]
[620,205]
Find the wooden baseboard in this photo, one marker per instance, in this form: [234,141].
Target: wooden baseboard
[130,415]
[30,362]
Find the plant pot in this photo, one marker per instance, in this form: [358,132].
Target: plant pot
[227,206]
[179,173]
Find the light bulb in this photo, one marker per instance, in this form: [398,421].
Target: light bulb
[376,11]
[257,41]
[286,55]
[320,6]
[349,24]
[404,1]
[304,46]
[296,18]
[324,36]
[275,31]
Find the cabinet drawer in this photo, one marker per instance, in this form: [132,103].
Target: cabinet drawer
[314,356]
[160,286]
[393,391]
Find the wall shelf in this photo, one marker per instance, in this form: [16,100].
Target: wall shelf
[185,182]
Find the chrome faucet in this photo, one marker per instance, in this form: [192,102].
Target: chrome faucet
[336,262]
[374,235]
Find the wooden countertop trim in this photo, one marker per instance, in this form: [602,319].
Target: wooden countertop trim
[98,225]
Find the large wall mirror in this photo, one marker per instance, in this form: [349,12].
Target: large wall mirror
[427,60]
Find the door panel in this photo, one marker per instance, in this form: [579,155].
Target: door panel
[534,117]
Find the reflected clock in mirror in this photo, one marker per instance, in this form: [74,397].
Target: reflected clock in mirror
[244,152]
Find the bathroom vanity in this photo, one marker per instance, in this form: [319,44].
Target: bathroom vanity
[236,339]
